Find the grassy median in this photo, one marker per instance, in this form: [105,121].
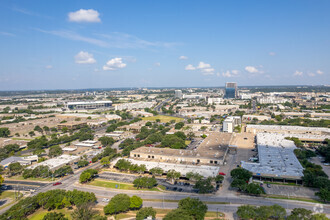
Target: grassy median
[163,118]
[118,185]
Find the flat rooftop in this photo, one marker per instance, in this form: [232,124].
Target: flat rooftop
[214,146]
[288,128]
[276,157]
[56,162]
[203,170]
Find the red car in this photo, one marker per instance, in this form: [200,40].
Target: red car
[221,173]
[57,183]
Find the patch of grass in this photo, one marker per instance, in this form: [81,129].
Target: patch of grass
[33,179]
[117,185]
[9,195]
[22,139]
[285,184]
[176,201]
[292,198]
[163,118]
[187,142]
[162,212]
[38,215]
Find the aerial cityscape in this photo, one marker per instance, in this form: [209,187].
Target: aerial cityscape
[174,110]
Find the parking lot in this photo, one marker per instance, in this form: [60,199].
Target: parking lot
[294,191]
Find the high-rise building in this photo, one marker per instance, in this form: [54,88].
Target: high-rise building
[231,90]
[178,94]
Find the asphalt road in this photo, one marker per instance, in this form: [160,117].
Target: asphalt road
[71,182]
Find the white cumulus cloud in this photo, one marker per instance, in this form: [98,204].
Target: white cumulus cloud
[297,73]
[251,69]
[84,15]
[157,64]
[49,67]
[319,72]
[113,64]
[311,74]
[190,67]
[84,58]
[208,71]
[272,53]
[203,65]
[230,73]
[183,58]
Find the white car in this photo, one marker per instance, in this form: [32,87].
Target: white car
[105,200]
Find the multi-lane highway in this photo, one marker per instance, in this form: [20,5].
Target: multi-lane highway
[160,199]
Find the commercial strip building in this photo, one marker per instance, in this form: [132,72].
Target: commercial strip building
[88,105]
[204,170]
[305,134]
[57,162]
[230,123]
[210,153]
[134,105]
[24,161]
[276,159]
[72,125]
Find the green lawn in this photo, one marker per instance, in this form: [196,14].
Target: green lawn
[292,198]
[11,195]
[113,184]
[163,118]
[38,215]
[33,179]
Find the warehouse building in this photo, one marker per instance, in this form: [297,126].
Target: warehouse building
[212,151]
[88,105]
[57,162]
[276,159]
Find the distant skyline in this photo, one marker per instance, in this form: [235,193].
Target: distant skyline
[176,43]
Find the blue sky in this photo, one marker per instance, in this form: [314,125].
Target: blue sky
[105,44]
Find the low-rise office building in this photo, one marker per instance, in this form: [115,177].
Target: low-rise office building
[88,105]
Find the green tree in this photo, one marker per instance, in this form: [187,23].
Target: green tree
[145,213]
[178,214]
[324,194]
[84,212]
[156,171]
[38,129]
[194,207]
[105,161]
[82,163]
[54,216]
[123,164]
[1,180]
[107,141]
[254,188]
[246,212]
[4,132]
[84,177]
[300,214]
[240,173]
[55,151]
[191,135]
[179,125]
[135,202]
[173,175]
[118,203]
[181,135]
[15,168]
[204,185]
[173,141]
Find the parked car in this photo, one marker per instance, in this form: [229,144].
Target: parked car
[57,183]
[268,185]
[221,173]
[105,200]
